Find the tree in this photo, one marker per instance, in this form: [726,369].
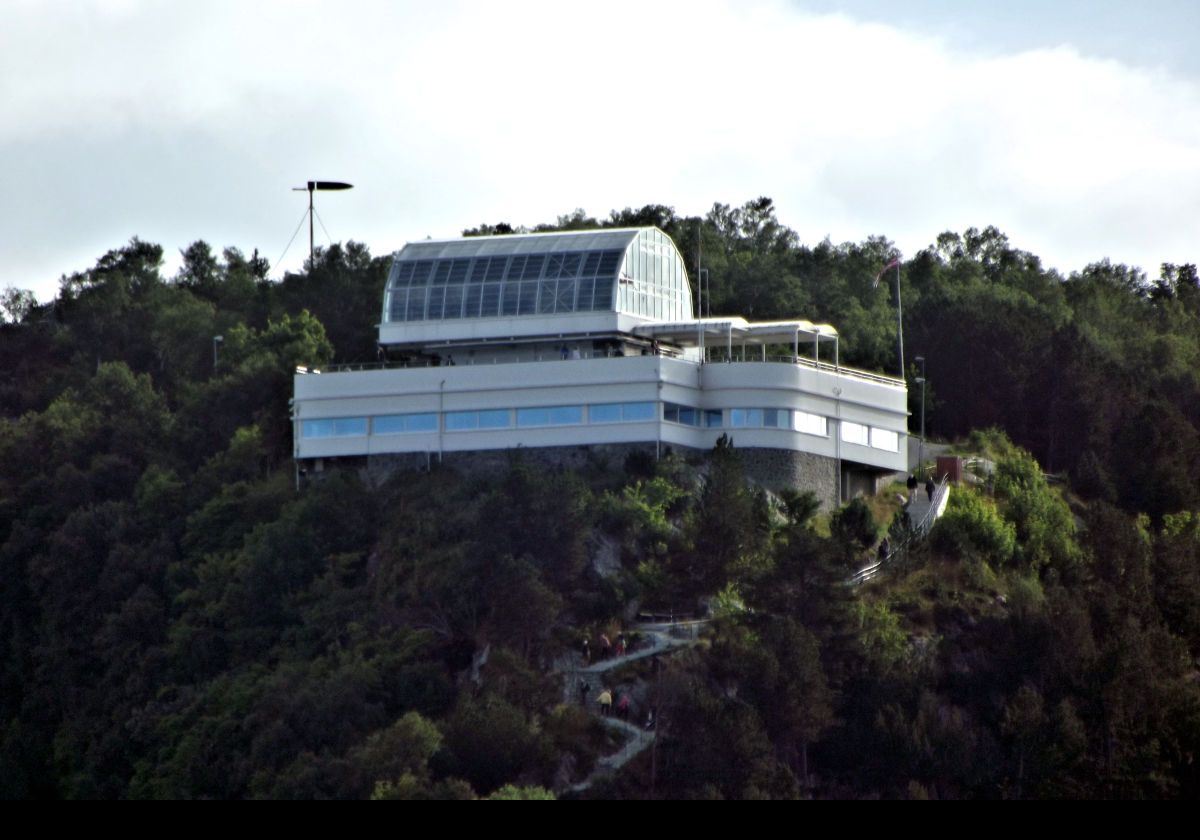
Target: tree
[853,527]
[16,304]
[731,520]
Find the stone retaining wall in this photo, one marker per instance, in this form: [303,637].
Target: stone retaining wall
[771,468]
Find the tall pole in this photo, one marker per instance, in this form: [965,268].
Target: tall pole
[899,323]
[921,443]
[312,187]
[311,250]
[699,292]
[837,395]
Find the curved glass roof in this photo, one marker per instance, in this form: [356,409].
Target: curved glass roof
[637,271]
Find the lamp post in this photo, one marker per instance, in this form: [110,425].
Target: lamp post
[921,381]
[312,187]
[218,340]
[837,407]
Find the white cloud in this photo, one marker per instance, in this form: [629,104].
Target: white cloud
[175,122]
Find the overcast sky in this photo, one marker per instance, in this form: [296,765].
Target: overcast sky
[1074,127]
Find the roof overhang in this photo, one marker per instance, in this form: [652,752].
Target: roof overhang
[688,333]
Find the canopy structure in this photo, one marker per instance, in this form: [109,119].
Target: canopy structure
[730,332]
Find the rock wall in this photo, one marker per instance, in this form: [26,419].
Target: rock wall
[771,468]
[779,468]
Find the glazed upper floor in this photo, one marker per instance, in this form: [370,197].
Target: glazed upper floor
[563,283]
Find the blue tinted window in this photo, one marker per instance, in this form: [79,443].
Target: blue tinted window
[565,415]
[510,300]
[640,411]
[528,298]
[604,413]
[471,301]
[399,304]
[416,304]
[565,296]
[533,267]
[437,296]
[546,295]
[623,412]
[604,290]
[457,421]
[495,271]
[337,427]
[495,419]
[421,272]
[562,415]
[587,291]
[491,300]
[458,271]
[396,424]
[591,263]
[454,301]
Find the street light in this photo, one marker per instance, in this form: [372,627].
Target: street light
[218,340]
[837,407]
[312,187]
[921,381]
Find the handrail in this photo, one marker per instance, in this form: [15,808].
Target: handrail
[937,505]
[825,367]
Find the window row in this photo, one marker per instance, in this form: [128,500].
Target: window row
[574,415]
[498,418]
[483,287]
[456,272]
[489,300]
[688,416]
[870,436]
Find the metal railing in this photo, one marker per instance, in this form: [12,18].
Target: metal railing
[916,533]
[420,363]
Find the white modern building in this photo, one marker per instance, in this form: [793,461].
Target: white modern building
[554,342]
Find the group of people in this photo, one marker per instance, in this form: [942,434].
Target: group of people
[624,704]
[605,699]
[605,649]
[913,483]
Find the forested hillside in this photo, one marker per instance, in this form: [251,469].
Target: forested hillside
[177,620]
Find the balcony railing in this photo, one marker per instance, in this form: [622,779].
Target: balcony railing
[532,358]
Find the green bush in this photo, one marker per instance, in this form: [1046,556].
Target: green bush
[972,528]
[1044,524]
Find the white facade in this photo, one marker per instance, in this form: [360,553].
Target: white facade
[810,402]
[547,379]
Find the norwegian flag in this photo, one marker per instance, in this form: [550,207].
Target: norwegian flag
[893,264]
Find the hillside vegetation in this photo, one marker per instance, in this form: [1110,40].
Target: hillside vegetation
[178,621]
